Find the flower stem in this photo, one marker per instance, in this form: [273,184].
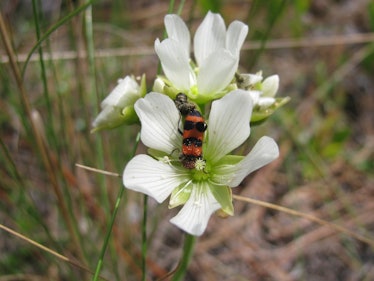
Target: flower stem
[189,243]
[144,238]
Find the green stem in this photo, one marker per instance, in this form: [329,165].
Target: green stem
[189,243]
[171,6]
[50,130]
[107,236]
[113,218]
[144,238]
[180,8]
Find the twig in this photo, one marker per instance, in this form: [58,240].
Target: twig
[306,216]
[44,248]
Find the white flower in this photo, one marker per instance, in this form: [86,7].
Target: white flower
[201,191]
[118,107]
[216,51]
[261,91]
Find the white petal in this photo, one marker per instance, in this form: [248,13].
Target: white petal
[149,176]
[175,63]
[124,93]
[178,31]
[194,216]
[106,116]
[266,102]
[253,79]
[236,34]
[216,72]
[255,95]
[159,118]
[209,37]
[265,151]
[228,125]
[158,85]
[270,86]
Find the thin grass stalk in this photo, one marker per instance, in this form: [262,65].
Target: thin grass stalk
[98,143]
[321,94]
[50,31]
[171,6]
[319,164]
[279,208]
[29,207]
[100,262]
[100,147]
[80,63]
[48,250]
[180,8]
[61,116]
[274,44]
[50,128]
[312,218]
[38,138]
[264,39]
[88,32]
[112,220]
[11,166]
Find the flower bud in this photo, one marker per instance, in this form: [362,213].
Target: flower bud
[118,107]
[270,86]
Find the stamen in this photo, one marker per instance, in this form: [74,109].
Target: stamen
[165,160]
[200,164]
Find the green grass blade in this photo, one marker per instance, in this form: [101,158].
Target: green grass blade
[51,30]
[112,220]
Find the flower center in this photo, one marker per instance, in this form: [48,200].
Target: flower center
[194,92]
[201,171]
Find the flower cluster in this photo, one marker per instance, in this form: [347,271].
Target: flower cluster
[216,51]
[212,81]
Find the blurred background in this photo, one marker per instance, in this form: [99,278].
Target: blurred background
[323,52]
